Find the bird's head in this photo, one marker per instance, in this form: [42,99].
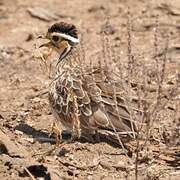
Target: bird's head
[62,37]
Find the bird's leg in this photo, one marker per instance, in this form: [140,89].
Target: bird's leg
[76,131]
[96,136]
[57,131]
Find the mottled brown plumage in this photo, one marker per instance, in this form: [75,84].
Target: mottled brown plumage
[82,99]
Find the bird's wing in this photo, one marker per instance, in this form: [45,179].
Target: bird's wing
[108,106]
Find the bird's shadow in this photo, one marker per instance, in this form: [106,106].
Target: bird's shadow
[45,137]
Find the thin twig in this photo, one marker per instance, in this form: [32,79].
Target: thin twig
[30,174]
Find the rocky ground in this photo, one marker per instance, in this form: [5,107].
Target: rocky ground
[25,118]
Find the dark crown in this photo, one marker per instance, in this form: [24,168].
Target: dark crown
[65,28]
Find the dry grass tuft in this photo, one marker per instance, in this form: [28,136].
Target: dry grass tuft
[142,85]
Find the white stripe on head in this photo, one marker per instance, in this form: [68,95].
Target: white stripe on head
[66,36]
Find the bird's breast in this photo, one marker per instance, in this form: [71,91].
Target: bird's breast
[68,87]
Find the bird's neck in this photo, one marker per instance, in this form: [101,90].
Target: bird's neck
[70,60]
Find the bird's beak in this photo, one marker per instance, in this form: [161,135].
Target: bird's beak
[47,43]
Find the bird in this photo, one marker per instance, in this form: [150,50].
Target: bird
[83,100]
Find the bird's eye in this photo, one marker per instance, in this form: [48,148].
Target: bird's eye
[55,38]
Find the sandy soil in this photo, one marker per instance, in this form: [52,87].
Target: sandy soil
[25,118]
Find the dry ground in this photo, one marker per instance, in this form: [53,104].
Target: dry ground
[25,117]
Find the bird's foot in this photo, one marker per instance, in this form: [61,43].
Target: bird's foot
[96,137]
[90,136]
[57,131]
[76,134]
